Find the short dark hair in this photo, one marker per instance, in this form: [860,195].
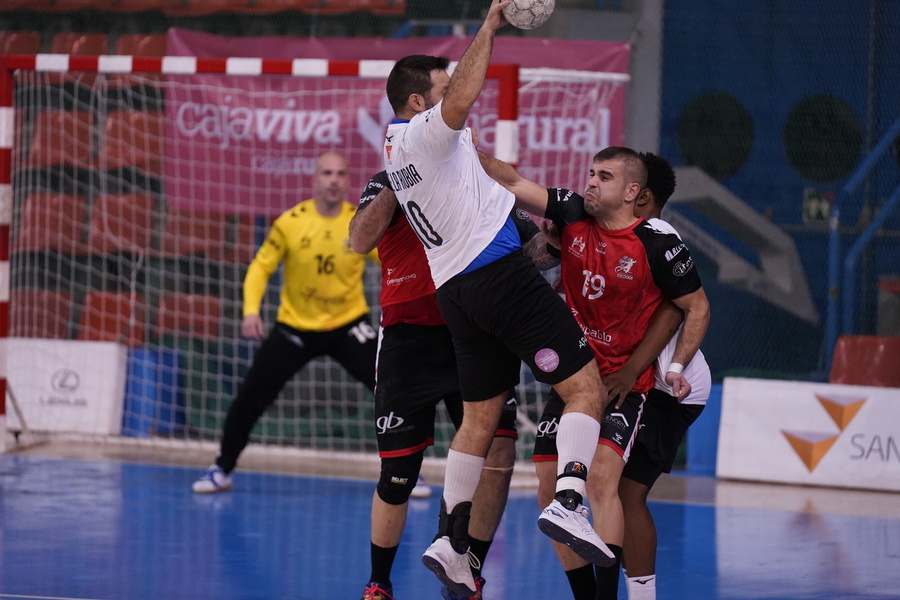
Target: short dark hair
[660,177]
[636,169]
[412,75]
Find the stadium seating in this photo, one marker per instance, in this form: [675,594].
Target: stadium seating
[20,42]
[62,137]
[189,232]
[51,221]
[133,139]
[866,360]
[142,44]
[39,314]
[112,317]
[121,222]
[189,315]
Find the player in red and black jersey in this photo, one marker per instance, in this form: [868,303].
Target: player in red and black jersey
[616,271]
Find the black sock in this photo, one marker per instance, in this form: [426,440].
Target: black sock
[382,563]
[479,549]
[583,582]
[608,577]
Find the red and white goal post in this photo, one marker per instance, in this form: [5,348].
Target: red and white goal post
[133,193]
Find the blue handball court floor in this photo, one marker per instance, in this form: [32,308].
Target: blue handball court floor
[104,529]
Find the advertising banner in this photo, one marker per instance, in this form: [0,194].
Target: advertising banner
[67,385]
[249,143]
[810,433]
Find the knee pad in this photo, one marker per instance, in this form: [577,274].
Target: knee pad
[398,478]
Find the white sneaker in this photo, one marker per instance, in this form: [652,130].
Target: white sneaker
[213,480]
[422,489]
[573,528]
[451,567]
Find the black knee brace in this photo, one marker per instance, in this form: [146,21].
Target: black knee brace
[398,478]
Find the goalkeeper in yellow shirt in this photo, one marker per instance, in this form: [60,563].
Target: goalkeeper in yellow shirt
[322,309]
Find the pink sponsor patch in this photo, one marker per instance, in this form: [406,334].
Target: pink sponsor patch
[546,360]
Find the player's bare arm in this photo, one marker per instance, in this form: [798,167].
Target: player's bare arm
[696,321]
[662,327]
[369,224]
[468,77]
[530,196]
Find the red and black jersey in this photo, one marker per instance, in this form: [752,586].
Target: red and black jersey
[407,289]
[614,280]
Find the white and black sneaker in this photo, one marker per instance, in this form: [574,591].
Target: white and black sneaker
[573,528]
[212,481]
[451,567]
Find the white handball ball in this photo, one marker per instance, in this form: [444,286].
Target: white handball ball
[528,14]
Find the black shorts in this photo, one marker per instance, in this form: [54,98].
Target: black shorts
[618,427]
[416,370]
[505,313]
[664,424]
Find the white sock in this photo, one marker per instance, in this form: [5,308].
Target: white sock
[576,440]
[641,588]
[461,478]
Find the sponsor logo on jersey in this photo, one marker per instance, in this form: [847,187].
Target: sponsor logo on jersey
[681,268]
[670,254]
[577,246]
[601,247]
[624,269]
[596,335]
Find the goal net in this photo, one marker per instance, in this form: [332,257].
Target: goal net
[139,198]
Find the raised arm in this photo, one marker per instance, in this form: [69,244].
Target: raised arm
[468,77]
[662,327]
[530,196]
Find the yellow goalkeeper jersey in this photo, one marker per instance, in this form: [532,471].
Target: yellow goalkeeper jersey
[323,285]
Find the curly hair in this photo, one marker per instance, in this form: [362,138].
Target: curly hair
[660,177]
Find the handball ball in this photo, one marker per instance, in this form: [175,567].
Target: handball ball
[528,14]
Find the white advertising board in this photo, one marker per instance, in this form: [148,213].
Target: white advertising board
[810,433]
[67,385]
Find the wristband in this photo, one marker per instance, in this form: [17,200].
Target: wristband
[553,251]
[676,368]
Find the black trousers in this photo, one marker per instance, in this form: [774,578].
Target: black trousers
[284,352]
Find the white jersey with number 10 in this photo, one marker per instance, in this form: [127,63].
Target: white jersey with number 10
[451,203]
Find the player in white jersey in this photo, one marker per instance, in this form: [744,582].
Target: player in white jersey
[499,309]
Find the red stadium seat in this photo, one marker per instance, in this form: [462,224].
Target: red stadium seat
[191,232]
[121,222]
[20,42]
[85,44]
[62,137]
[133,138]
[39,314]
[51,221]
[193,315]
[142,44]
[866,360]
[112,317]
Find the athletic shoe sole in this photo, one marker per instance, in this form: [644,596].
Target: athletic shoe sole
[586,550]
[437,567]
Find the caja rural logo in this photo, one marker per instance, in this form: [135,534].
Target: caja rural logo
[812,446]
